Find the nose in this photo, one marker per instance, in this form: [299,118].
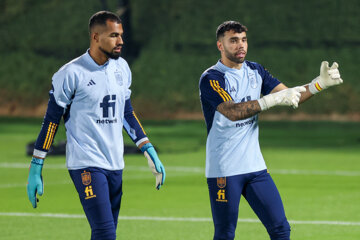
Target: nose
[119,41]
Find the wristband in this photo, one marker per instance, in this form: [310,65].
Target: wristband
[314,86]
[37,161]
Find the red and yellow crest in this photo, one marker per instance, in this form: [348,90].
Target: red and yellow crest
[221,182]
[86,178]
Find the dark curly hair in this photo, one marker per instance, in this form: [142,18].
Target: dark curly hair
[229,25]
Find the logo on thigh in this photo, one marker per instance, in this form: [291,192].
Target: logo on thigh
[86,180]
[221,183]
[89,192]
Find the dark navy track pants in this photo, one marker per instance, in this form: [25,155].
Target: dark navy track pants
[260,191]
[100,194]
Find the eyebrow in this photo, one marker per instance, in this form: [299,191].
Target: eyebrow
[234,38]
[115,33]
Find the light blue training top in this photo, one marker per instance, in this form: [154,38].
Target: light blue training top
[94,98]
[232,147]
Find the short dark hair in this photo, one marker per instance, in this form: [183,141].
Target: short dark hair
[101,17]
[228,26]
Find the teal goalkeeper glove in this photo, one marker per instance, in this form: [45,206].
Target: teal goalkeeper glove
[155,164]
[35,183]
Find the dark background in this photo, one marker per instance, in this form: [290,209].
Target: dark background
[170,43]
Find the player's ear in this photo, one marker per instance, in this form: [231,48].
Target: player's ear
[219,45]
[95,36]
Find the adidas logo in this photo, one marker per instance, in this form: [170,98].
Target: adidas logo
[233,89]
[91,83]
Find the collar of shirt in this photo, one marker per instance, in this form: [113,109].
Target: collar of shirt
[225,68]
[93,64]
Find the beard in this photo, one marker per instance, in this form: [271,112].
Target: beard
[111,55]
[232,57]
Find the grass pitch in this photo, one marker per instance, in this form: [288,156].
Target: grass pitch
[316,166]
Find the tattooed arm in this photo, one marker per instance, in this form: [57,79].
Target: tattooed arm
[238,111]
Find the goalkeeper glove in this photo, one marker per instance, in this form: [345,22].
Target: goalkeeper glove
[35,181]
[155,164]
[286,97]
[329,76]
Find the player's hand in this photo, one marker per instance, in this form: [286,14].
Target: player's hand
[35,183]
[329,76]
[155,164]
[286,97]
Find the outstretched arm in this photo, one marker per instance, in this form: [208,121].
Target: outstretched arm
[212,92]
[304,95]
[285,97]
[237,111]
[329,76]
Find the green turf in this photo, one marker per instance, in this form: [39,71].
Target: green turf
[316,166]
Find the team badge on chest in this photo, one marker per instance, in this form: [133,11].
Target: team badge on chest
[118,78]
[253,81]
[86,178]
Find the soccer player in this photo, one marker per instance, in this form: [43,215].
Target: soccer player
[92,94]
[230,94]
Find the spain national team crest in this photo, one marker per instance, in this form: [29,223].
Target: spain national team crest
[221,182]
[253,82]
[118,78]
[86,178]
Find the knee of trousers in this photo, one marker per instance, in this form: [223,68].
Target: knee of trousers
[107,232]
[223,232]
[280,231]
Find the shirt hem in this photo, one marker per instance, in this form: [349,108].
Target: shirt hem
[234,174]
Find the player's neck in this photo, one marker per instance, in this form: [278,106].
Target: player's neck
[98,57]
[230,63]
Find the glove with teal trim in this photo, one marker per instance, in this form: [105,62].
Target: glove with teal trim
[35,182]
[155,164]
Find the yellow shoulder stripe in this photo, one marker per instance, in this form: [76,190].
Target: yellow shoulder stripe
[223,94]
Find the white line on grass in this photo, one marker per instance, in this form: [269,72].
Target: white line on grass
[202,170]
[15,185]
[169,219]
[26,165]
[315,172]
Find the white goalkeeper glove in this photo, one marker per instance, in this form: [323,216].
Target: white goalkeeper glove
[155,164]
[286,97]
[329,76]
